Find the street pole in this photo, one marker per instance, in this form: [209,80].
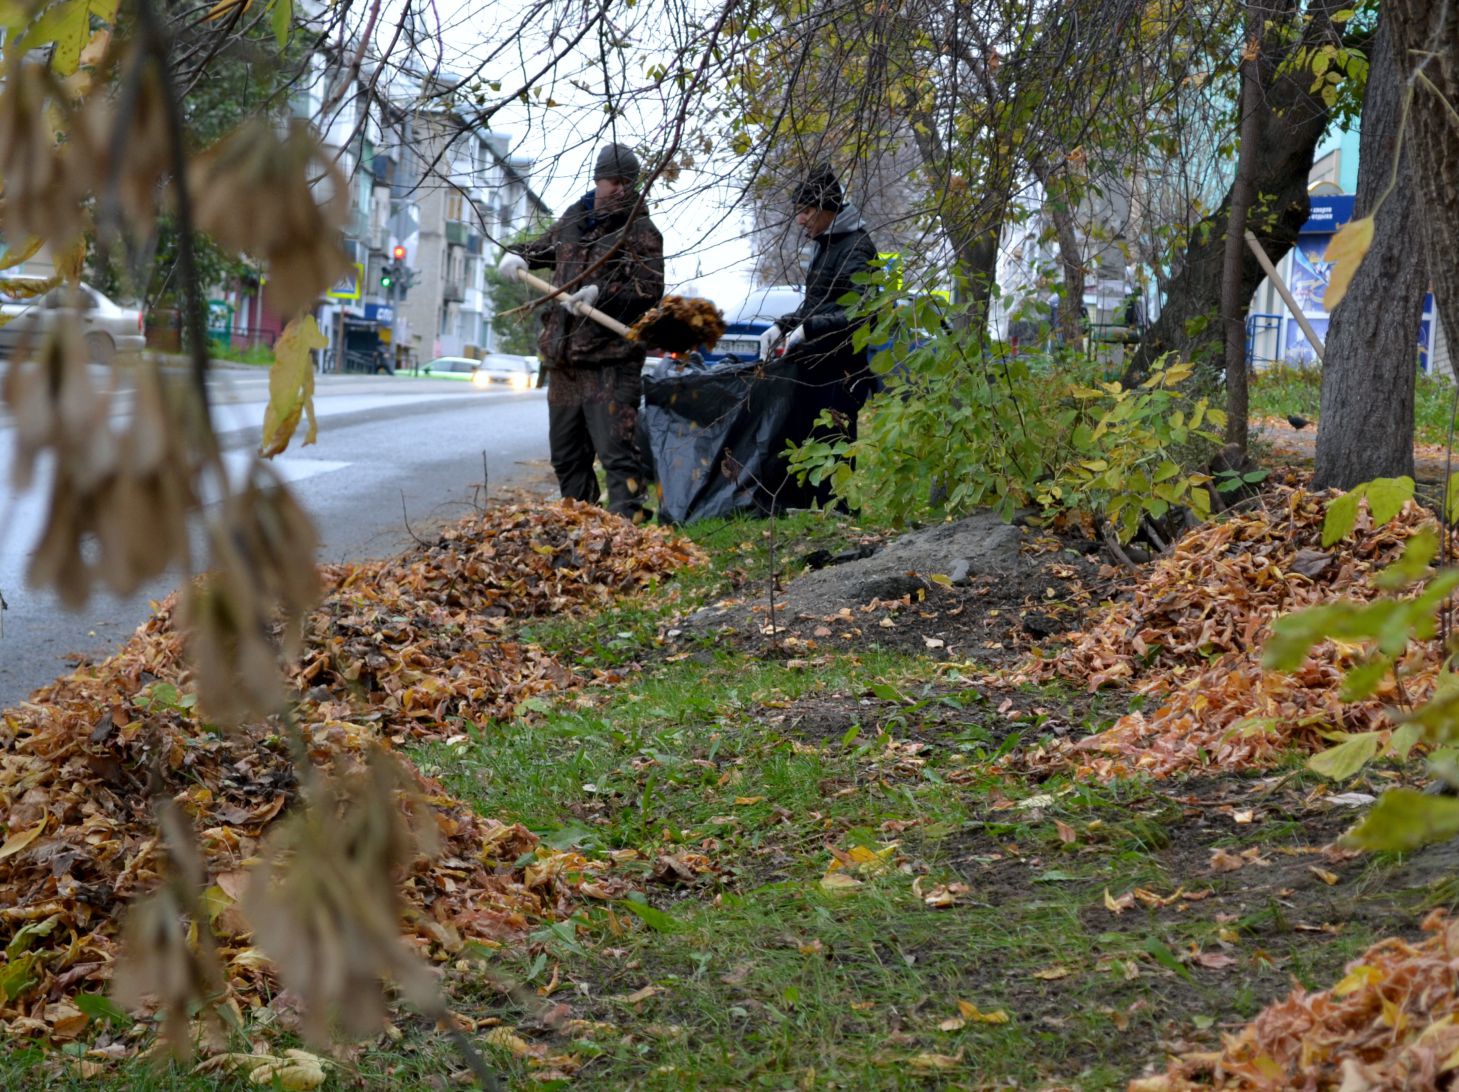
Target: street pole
[339,340]
[395,315]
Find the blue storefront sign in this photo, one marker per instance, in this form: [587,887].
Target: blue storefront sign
[1309,274]
[382,313]
[1328,213]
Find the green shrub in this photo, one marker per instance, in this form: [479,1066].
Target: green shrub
[964,424]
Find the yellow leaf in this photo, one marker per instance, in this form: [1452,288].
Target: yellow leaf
[839,883]
[934,1063]
[69,261]
[508,1040]
[971,1012]
[225,8]
[68,24]
[1048,974]
[19,254]
[1393,1015]
[1329,878]
[298,1072]
[27,288]
[19,839]
[1345,252]
[746,801]
[291,386]
[1119,905]
[952,1023]
[1360,977]
[866,860]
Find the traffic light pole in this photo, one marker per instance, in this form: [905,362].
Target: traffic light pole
[395,321]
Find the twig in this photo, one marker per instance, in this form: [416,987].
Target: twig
[155,38]
[774,636]
[405,517]
[484,1076]
[485,479]
[1113,545]
[1160,543]
[1445,553]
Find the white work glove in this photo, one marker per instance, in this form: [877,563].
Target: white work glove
[580,300]
[795,337]
[511,266]
[773,335]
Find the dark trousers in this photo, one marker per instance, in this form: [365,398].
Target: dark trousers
[826,385]
[592,414]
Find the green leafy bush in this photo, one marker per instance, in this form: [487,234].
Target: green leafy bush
[964,423]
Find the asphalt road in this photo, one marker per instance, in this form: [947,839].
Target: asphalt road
[385,443]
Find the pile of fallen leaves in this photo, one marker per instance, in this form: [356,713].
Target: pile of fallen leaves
[1188,638]
[393,651]
[1391,1022]
[418,640]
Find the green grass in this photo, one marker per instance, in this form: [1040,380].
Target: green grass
[260,355]
[758,975]
[1282,390]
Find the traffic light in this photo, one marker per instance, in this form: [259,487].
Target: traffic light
[388,274]
[398,253]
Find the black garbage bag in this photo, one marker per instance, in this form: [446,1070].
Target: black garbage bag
[715,436]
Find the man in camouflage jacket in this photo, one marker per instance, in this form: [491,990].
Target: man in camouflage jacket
[604,252]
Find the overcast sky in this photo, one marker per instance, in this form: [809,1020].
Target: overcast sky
[704,232]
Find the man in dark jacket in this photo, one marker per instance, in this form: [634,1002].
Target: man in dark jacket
[605,253]
[818,334]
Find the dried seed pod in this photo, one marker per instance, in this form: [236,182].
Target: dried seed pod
[262,195]
[46,177]
[160,960]
[324,903]
[262,573]
[144,150]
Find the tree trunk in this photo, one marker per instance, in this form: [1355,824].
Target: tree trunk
[1289,125]
[1365,429]
[977,260]
[1235,255]
[1426,44]
[1059,202]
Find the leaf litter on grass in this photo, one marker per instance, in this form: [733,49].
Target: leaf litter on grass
[397,650]
[1188,637]
[1392,1021]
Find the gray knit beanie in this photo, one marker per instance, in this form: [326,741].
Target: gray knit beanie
[616,161]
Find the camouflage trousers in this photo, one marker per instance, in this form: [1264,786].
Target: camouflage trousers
[592,414]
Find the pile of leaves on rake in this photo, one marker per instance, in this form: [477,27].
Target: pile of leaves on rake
[397,650]
[1188,637]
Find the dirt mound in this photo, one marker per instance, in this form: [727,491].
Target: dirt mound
[978,588]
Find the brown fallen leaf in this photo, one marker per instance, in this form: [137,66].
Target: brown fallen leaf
[1223,860]
[946,894]
[640,995]
[1215,961]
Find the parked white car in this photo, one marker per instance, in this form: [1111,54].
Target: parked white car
[110,329]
